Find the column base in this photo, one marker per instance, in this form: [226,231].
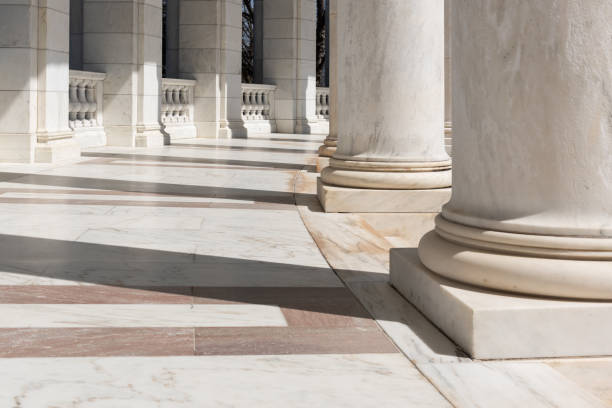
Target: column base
[59,151]
[308,127]
[572,267]
[135,136]
[496,325]
[335,199]
[90,137]
[150,139]
[260,127]
[178,131]
[232,130]
[322,162]
[320,127]
[327,151]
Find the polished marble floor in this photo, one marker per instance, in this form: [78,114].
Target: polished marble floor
[205,274]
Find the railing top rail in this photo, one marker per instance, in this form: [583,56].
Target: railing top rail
[97,76]
[259,86]
[322,89]
[178,82]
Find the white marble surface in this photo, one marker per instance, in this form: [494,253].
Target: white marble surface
[264,381]
[507,385]
[496,325]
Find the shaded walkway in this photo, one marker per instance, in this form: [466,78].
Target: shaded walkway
[172,275]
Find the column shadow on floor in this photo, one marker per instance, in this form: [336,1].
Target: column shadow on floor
[179,190]
[246,148]
[202,160]
[297,287]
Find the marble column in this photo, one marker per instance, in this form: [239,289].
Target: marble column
[331,141]
[172,39]
[34,62]
[290,63]
[530,211]
[124,40]
[390,108]
[210,41]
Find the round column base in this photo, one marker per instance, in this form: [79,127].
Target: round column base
[552,266]
[327,151]
[388,175]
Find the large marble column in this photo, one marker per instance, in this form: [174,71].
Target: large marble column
[390,108]
[124,40]
[331,141]
[290,63]
[210,41]
[34,63]
[531,208]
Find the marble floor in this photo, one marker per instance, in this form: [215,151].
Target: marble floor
[205,274]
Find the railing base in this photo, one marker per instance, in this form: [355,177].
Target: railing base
[260,127]
[90,136]
[180,131]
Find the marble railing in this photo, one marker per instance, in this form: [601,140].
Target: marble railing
[258,108]
[86,95]
[322,103]
[177,109]
[85,99]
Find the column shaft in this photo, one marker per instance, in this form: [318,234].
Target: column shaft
[34,61]
[210,42]
[290,62]
[390,109]
[531,209]
[124,40]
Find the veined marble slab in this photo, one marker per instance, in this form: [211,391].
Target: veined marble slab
[365,380]
[138,315]
[507,385]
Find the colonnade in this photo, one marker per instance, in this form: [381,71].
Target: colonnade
[520,261]
[43,40]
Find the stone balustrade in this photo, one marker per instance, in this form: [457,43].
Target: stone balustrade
[322,105]
[177,108]
[85,115]
[258,108]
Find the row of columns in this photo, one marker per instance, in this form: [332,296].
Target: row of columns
[532,124]
[124,40]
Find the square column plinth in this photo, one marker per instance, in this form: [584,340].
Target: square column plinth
[496,325]
[336,199]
